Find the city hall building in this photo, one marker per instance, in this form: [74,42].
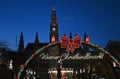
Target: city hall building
[69,57]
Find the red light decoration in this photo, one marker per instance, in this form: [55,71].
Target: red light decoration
[87,39]
[69,43]
[64,41]
[77,41]
[53,39]
[70,46]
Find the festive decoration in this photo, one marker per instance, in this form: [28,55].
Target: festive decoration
[31,57]
[86,38]
[53,38]
[69,43]
[77,41]
[104,51]
[64,41]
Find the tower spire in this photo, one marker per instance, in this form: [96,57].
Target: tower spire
[70,35]
[36,42]
[36,38]
[53,7]
[21,43]
[53,25]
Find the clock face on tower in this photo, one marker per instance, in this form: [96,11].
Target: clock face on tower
[53,29]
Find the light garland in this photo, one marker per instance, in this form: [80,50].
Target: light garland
[46,46]
[104,51]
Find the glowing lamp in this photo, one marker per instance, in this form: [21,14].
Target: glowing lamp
[53,38]
[87,39]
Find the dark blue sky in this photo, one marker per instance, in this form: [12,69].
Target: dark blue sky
[99,18]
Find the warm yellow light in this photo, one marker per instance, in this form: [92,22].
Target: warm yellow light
[62,71]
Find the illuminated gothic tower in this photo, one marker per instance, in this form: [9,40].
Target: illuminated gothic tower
[53,26]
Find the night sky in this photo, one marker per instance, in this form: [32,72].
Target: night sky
[100,19]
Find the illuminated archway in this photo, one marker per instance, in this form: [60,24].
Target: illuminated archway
[46,46]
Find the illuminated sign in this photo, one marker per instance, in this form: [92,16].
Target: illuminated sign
[67,56]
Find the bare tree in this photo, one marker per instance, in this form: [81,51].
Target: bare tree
[4,45]
[3,48]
